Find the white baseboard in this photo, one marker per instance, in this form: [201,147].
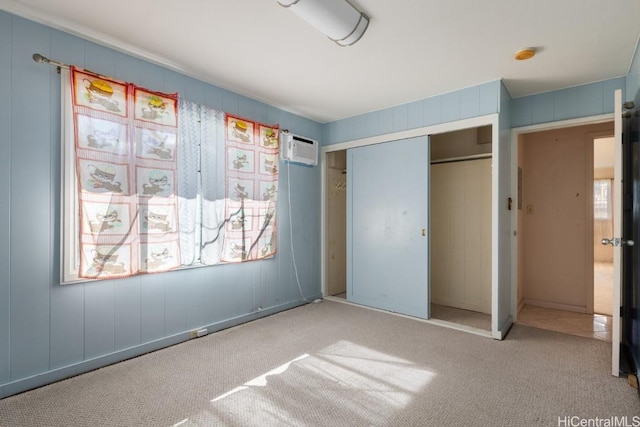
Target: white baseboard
[547,304]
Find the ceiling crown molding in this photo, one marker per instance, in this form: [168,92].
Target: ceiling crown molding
[90,35]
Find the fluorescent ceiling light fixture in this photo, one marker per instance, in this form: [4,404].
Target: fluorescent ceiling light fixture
[337,19]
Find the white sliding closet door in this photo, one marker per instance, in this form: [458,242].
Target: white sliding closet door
[461,234]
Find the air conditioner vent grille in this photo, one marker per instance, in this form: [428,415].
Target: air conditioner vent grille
[297,149]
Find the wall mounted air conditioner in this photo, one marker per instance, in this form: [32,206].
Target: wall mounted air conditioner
[297,149]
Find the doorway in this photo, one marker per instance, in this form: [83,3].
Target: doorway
[557,230]
[603,200]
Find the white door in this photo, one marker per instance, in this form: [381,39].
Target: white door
[617,232]
[616,240]
[387,218]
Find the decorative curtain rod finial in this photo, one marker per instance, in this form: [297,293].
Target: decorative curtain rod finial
[44,60]
[39,58]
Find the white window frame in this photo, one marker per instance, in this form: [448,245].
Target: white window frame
[605,213]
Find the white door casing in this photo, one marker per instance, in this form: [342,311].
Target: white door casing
[617,232]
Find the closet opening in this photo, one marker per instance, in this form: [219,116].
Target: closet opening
[460,223]
[603,200]
[336,224]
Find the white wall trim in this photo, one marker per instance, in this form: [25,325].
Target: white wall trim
[495,232]
[412,133]
[555,306]
[490,119]
[505,327]
[590,120]
[323,222]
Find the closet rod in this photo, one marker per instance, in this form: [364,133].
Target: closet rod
[462,159]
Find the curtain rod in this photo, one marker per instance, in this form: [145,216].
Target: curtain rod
[41,59]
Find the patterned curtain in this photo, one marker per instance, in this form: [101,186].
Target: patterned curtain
[163,182]
[202,135]
[251,190]
[125,140]
[188,185]
[225,213]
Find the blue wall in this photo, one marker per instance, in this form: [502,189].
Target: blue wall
[633,79]
[580,101]
[462,104]
[48,331]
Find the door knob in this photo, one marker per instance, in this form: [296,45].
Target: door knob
[616,241]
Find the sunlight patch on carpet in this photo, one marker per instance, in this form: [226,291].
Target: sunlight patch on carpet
[378,385]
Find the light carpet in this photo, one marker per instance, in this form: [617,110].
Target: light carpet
[334,364]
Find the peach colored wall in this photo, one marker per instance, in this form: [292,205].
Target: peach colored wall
[520,278]
[557,219]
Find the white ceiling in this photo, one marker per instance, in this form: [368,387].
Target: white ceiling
[413,49]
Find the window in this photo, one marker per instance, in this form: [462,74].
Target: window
[602,199]
[153,182]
